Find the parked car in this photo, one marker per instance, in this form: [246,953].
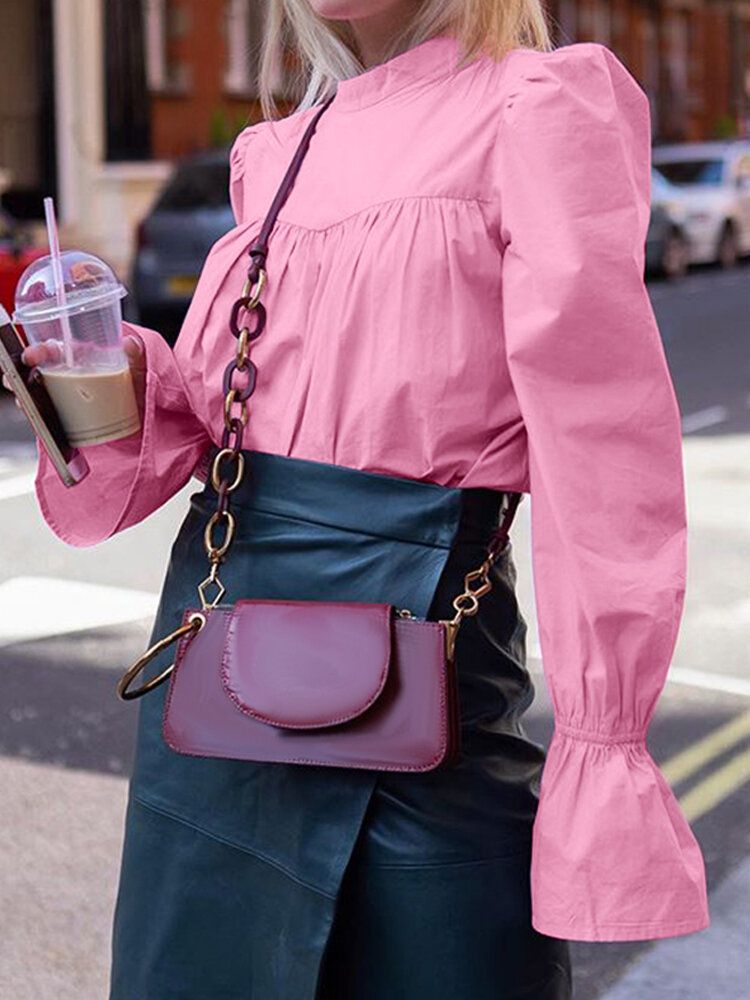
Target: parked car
[190,214]
[668,248]
[714,180]
[16,253]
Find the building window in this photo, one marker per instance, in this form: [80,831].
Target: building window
[650,62]
[128,109]
[677,65]
[243,31]
[244,24]
[740,71]
[595,21]
[567,21]
[165,27]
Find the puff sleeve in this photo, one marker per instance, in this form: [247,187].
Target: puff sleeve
[238,175]
[613,856]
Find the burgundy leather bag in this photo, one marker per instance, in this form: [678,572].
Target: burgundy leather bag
[343,684]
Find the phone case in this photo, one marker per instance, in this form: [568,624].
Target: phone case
[37,405]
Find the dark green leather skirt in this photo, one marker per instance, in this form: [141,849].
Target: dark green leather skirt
[256,881]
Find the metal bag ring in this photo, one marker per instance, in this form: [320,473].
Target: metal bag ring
[195,623]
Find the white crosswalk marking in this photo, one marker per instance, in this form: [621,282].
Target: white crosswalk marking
[17,486]
[35,607]
[704,418]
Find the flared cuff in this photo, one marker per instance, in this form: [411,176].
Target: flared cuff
[133,476]
[613,856]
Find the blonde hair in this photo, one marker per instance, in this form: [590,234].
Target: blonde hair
[327,48]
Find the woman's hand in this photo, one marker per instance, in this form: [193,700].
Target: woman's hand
[36,354]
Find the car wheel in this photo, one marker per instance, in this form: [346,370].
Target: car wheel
[728,250]
[675,256]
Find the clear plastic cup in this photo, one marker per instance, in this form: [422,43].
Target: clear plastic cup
[88,375]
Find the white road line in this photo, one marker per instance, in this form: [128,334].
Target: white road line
[711,682]
[736,614]
[37,607]
[704,418]
[725,683]
[17,486]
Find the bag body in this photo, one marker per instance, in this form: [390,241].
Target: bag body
[314,682]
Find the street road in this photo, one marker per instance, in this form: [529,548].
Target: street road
[73,619]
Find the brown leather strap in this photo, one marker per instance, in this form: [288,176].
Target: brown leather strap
[500,534]
[259,249]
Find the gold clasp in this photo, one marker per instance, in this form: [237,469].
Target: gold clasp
[467,603]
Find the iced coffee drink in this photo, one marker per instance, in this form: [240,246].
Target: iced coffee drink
[72,303]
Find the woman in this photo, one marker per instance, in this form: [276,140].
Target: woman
[456,309]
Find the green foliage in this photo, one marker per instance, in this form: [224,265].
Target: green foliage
[725,127]
[224,127]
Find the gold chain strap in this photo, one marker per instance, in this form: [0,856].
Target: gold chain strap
[466,603]
[225,485]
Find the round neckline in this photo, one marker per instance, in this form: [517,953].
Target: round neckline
[428,60]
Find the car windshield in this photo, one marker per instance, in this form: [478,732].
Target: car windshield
[701,171]
[196,185]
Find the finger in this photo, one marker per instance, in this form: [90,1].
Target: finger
[36,354]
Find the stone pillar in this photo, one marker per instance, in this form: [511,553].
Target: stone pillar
[100,203]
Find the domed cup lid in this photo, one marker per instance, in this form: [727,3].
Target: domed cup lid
[89,284]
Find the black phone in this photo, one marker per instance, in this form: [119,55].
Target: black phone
[31,392]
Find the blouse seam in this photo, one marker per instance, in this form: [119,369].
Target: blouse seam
[359,103]
[346,108]
[378,204]
[552,927]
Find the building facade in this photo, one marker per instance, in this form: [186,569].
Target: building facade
[692,57]
[100,96]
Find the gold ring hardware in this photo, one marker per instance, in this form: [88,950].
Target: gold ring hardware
[215,468]
[244,412]
[195,623]
[255,298]
[216,552]
[243,343]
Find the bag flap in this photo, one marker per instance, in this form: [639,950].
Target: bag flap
[306,664]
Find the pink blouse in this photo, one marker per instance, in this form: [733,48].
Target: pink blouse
[455,294]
